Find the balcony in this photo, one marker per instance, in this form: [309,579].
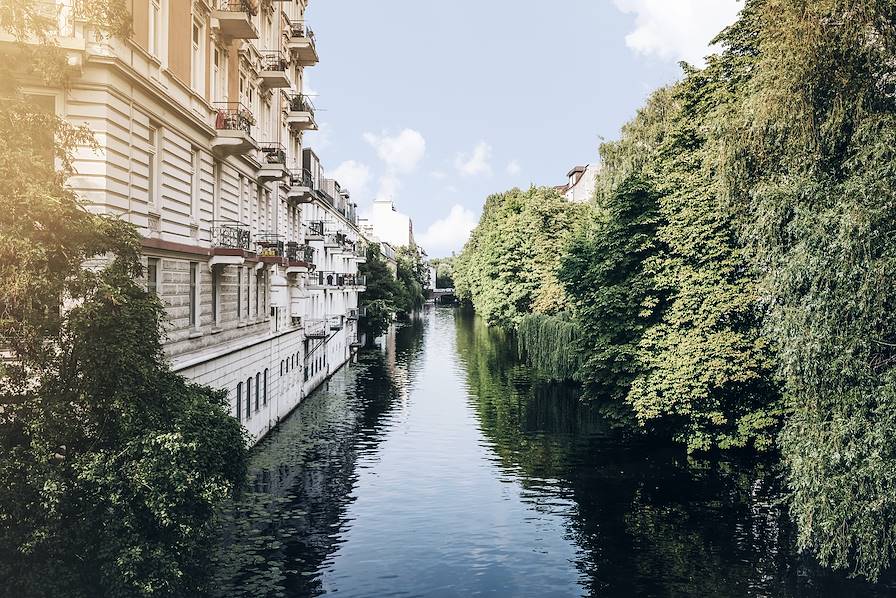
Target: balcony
[316,328]
[300,186]
[300,113]
[274,70]
[301,43]
[298,259]
[270,248]
[336,322]
[233,126]
[362,312]
[315,231]
[273,163]
[352,313]
[234,18]
[230,241]
[230,235]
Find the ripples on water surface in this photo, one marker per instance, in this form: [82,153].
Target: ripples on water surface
[439,468]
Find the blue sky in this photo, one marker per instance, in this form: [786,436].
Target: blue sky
[439,105]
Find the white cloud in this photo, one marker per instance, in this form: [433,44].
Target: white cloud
[400,153]
[438,175]
[476,162]
[389,186]
[679,30]
[513,168]
[354,176]
[449,233]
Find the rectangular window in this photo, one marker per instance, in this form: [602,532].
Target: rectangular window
[216,280]
[239,401]
[257,391]
[155,139]
[258,286]
[239,292]
[248,288]
[197,63]
[155,27]
[196,164]
[152,275]
[249,398]
[265,380]
[194,294]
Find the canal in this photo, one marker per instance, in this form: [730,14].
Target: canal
[438,467]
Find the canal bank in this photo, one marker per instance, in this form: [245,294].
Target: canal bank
[439,467]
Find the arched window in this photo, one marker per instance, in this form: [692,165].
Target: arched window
[239,401]
[249,397]
[281,367]
[257,390]
[265,395]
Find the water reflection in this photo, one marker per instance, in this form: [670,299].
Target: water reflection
[440,467]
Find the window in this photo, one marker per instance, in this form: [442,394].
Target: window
[216,190]
[265,395]
[248,287]
[155,139]
[257,390]
[155,27]
[257,293]
[239,292]
[239,401]
[152,275]
[216,280]
[196,164]
[198,58]
[194,294]
[281,367]
[249,397]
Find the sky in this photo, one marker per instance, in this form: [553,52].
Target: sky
[437,106]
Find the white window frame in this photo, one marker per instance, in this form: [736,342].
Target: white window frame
[197,56]
[156,141]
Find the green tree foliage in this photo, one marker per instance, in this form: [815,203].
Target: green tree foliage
[411,274]
[381,292]
[444,272]
[812,161]
[551,345]
[112,466]
[613,293]
[508,267]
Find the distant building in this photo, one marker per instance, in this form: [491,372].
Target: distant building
[431,278]
[391,226]
[580,184]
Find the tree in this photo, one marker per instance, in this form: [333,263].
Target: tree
[411,276]
[113,466]
[381,292]
[508,267]
[810,159]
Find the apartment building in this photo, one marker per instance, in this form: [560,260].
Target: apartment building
[200,117]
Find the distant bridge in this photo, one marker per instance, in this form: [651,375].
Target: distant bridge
[443,296]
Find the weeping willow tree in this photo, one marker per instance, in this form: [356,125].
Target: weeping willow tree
[550,345]
[811,161]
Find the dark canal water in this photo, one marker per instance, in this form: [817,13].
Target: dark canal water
[438,467]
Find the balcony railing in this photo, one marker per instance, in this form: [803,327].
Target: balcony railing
[316,328]
[249,6]
[300,178]
[273,60]
[299,102]
[362,311]
[336,322]
[233,235]
[270,245]
[352,313]
[300,29]
[233,116]
[273,152]
[316,228]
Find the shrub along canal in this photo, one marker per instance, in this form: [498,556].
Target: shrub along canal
[438,467]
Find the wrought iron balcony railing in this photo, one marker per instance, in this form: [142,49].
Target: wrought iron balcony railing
[300,29]
[301,178]
[316,228]
[274,60]
[274,153]
[229,234]
[299,102]
[233,116]
[249,6]
[270,244]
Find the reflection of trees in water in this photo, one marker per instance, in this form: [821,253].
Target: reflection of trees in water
[278,536]
[648,520]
